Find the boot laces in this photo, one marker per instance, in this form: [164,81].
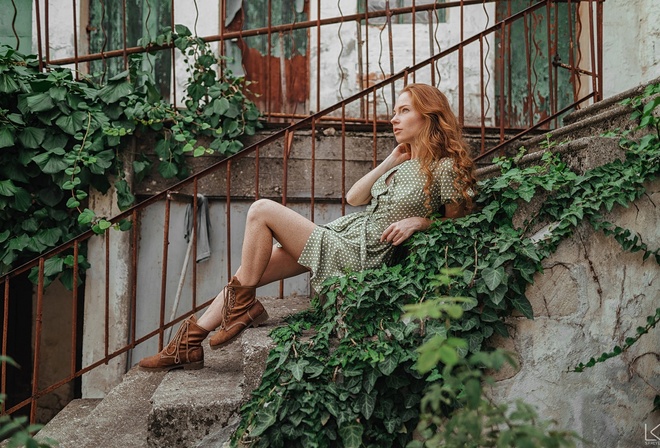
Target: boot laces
[230,302]
[173,348]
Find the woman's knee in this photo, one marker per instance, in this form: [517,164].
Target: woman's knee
[261,208]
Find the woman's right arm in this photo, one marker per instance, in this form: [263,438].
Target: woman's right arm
[360,192]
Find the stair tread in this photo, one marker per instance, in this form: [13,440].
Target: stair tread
[120,419]
[188,404]
[68,421]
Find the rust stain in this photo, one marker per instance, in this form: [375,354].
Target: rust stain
[270,93]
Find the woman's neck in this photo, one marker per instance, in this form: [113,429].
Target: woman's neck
[414,152]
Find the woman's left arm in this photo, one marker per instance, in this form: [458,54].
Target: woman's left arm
[398,232]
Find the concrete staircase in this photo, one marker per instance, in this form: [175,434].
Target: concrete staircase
[197,408]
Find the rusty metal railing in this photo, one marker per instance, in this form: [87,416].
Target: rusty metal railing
[366,111]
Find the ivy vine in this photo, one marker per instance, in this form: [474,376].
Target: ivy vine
[350,372]
[60,136]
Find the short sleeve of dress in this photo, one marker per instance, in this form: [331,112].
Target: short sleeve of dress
[444,176]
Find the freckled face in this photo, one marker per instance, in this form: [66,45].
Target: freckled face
[406,122]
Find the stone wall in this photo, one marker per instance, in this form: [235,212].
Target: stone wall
[591,296]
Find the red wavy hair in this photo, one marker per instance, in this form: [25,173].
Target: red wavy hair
[441,137]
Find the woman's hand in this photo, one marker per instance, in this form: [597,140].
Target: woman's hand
[400,231]
[400,154]
[360,192]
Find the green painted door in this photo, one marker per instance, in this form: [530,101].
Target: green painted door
[16,24]
[531,86]
[144,19]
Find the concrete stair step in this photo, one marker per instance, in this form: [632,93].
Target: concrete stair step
[65,426]
[201,407]
[119,419]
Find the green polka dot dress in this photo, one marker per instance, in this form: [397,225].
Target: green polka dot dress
[352,242]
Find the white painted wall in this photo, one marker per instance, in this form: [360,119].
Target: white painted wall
[631,44]
[340,49]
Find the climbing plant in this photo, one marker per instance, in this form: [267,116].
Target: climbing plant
[60,136]
[350,372]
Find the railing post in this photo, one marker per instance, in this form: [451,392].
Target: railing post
[109,281]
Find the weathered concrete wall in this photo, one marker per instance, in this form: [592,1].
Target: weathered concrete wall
[592,296]
[631,44]
[55,349]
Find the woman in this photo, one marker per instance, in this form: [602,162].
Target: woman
[429,169]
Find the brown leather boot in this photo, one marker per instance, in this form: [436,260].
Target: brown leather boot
[184,350]
[242,310]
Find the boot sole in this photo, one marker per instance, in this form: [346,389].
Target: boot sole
[263,317]
[190,366]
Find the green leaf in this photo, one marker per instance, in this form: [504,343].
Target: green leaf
[39,102]
[473,393]
[351,435]
[522,304]
[6,137]
[489,315]
[298,369]
[8,84]
[19,242]
[182,30]
[314,370]
[49,237]
[54,142]
[115,91]
[530,252]
[86,217]
[220,106]
[388,365]
[72,203]
[54,164]
[67,279]
[50,196]
[124,196]
[7,188]
[72,123]
[264,419]
[57,93]
[367,402]
[22,200]
[32,137]
[493,277]
[369,380]
[104,224]
[124,225]
[167,169]
[53,266]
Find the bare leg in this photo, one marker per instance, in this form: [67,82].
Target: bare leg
[261,262]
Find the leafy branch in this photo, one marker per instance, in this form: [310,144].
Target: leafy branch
[651,322]
[61,137]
